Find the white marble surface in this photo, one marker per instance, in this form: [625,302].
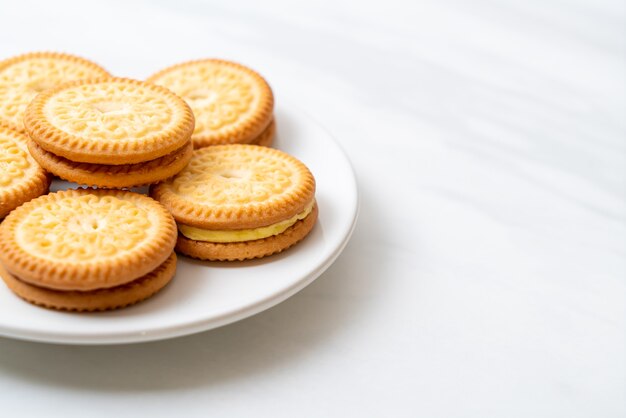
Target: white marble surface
[486,277]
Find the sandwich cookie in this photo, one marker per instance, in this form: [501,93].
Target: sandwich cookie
[88,249]
[110,132]
[237,202]
[231,103]
[21,178]
[24,76]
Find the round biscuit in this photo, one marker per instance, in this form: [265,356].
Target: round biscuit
[237,186]
[86,239]
[113,176]
[231,102]
[21,178]
[24,76]
[248,249]
[109,121]
[94,300]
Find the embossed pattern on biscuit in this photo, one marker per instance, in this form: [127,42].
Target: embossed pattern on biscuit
[21,178]
[237,186]
[104,112]
[223,95]
[236,177]
[232,103]
[109,121]
[14,162]
[25,76]
[81,229]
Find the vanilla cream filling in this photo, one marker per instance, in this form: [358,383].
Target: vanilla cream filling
[239,235]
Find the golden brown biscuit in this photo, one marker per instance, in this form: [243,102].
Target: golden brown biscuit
[86,239]
[231,103]
[24,76]
[112,121]
[267,136]
[237,186]
[113,176]
[94,300]
[239,201]
[21,178]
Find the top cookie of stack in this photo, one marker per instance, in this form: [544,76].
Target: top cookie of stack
[110,132]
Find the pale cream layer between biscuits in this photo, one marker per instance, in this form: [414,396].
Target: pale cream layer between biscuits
[109,121]
[86,239]
[21,178]
[249,249]
[95,300]
[24,76]
[231,102]
[241,235]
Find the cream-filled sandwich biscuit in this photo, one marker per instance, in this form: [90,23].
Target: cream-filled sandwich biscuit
[111,132]
[235,202]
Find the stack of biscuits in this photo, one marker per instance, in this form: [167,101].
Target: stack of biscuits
[110,132]
[237,201]
[198,133]
[88,249]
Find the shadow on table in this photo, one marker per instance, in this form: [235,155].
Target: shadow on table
[276,339]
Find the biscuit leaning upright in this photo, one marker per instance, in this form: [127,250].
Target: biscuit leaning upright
[87,249]
[24,76]
[21,178]
[236,202]
[231,103]
[110,132]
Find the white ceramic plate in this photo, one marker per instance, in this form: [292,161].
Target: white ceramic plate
[206,295]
